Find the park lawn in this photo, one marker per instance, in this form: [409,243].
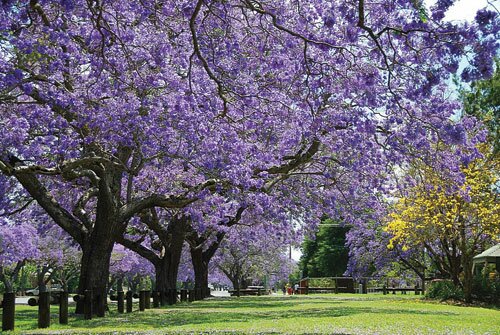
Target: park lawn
[313,314]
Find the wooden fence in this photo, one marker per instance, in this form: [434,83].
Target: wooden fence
[90,307]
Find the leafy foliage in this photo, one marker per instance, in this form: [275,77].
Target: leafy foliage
[444,290]
[483,101]
[326,255]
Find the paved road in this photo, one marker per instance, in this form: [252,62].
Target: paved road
[24,300]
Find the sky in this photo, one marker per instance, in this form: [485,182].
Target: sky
[464,9]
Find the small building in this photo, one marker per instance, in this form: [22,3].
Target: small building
[487,257]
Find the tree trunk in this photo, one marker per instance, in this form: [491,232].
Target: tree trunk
[236,285]
[200,267]
[468,279]
[167,267]
[94,269]
[166,270]
[98,246]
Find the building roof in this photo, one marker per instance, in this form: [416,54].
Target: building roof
[489,255]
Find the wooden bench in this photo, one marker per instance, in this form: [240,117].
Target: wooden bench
[250,291]
[322,289]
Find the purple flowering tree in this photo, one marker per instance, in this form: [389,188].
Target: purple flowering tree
[251,255]
[126,264]
[159,238]
[17,246]
[111,109]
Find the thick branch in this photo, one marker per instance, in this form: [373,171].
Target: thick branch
[155,200]
[138,248]
[296,161]
[60,215]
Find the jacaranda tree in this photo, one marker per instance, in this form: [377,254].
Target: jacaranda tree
[112,108]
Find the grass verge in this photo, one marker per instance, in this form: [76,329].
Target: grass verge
[313,314]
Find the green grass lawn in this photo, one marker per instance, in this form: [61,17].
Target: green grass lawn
[313,314]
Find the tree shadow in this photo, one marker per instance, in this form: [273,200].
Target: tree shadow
[198,314]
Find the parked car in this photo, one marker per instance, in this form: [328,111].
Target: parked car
[54,288]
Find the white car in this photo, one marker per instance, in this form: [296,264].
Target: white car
[55,288]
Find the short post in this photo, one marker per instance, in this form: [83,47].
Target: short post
[129,297]
[307,290]
[142,300]
[147,299]
[9,311]
[191,295]
[417,291]
[63,308]
[87,304]
[101,304]
[384,289]
[44,310]
[120,301]
[170,300]
[156,299]
[184,294]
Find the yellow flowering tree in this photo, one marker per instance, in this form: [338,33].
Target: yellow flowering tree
[452,224]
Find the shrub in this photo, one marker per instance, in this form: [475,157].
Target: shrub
[486,289]
[444,290]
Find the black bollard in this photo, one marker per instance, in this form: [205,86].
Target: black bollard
[120,301]
[168,297]
[129,297]
[156,299]
[384,289]
[63,308]
[417,291]
[191,295]
[101,305]
[87,305]
[172,297]
[9,311]
[44,310]
[147,299]
[142,300]
[184,294]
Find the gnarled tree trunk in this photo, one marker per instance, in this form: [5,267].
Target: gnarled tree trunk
[200,268]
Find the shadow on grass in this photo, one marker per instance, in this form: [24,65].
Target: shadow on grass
[205,314]
[249,310]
